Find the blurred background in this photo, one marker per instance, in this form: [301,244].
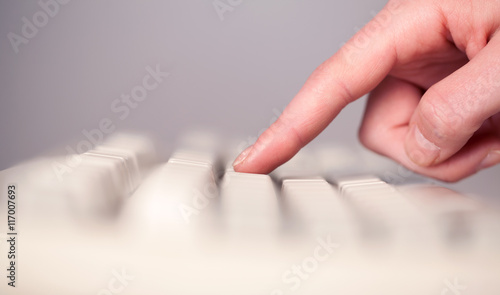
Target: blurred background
[232,66]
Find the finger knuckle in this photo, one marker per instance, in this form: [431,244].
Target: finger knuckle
[445,118]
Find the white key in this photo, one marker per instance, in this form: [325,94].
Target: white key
[177,194]
[96,187]
[382,208]
[199,148]
[196,158]
[108,174]
[140,149]
[356,181]
[313,205]
[249,204]
[127,172]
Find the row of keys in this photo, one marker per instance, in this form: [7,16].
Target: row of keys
[190,188]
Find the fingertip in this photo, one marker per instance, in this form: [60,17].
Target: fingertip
[239,162]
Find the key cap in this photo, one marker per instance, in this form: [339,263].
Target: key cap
[249,204]
[179,194]
[108,174]
[200,148]
[138,148]
[314,207]
[356,181]
[126,170]
[96,187]
[385,213]
[187,157]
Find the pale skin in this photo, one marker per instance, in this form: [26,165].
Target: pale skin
[432,69]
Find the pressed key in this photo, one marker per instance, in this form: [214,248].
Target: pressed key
[249,203]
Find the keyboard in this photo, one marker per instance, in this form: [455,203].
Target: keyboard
[124,219]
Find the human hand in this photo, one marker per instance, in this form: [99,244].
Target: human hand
[433,70]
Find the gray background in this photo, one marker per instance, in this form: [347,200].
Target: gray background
[226,74]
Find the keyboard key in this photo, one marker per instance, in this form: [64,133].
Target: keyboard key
[314,206]
[139,149]
[384,212]
[196,158]
[97,187]
[126,169]
[108,174]
[346,182]
[178,195]
[249,204]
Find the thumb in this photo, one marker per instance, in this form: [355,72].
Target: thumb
[453,109]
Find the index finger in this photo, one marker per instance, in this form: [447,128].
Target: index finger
[360,65]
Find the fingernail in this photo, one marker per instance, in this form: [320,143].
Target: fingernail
[420,150]
[241,158]
[492,159]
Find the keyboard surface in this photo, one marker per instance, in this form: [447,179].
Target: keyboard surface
[119,219]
